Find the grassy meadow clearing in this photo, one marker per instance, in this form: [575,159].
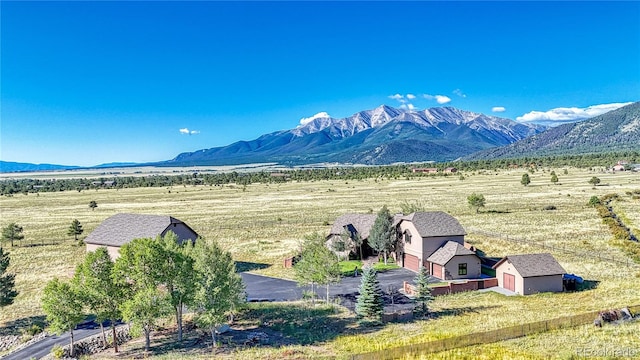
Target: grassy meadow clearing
[263,223]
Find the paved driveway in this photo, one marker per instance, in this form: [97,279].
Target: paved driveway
[264,288]
[258,288]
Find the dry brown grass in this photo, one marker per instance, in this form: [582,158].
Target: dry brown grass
[265,223]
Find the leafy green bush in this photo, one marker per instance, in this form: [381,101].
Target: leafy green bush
[57,352]
[593,201]
[34,329]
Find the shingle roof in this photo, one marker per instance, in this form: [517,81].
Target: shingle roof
[435,223]
[120,229]
[447,252]
[529,265]
[361,222]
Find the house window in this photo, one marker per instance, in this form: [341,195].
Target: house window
[462,269]
[407,237]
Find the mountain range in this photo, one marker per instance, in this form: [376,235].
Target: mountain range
[386,135]
[616,130]
[383,135]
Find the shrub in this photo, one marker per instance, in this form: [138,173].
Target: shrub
[593,201]
[550,207]
[57,352]
[34,329]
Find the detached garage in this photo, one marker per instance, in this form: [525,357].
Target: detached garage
[529,274]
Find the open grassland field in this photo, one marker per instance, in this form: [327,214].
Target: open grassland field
[263,223]
[618,341]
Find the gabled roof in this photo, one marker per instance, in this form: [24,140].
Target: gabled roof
[447,252]
[529,265]
[120,229]
[434,223]
[361,222]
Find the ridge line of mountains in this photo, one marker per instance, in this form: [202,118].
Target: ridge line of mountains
[387,135]
[380,136]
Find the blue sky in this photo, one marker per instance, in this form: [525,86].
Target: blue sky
[84,83]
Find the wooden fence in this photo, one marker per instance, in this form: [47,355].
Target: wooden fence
[485,337]
[567,250]
[454,286]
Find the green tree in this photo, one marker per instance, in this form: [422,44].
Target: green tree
[11,233]
[357,240]
[476,201]
[594,181]
[144,308]
[140,271]
[525,180]
[565,172]
[93,204]
[382,234]
[177,275]
[423,292]
[75,229]
[63,306]
[339,244]
[369,304]
[554,178]
[7,281]
[99,292]
[220,290]
[594,201]
[317,264]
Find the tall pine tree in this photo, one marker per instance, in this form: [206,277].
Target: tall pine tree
[369,305]
[7,281]
[423,293]
[75,229]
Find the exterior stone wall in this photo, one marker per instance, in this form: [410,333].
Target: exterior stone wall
[14,342]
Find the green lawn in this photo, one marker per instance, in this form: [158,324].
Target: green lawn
[347,267]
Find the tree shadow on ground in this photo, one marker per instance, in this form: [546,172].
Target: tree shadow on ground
[494,211]
[260,324]
[587,285]
[14,327]
[460,310]
[242,266]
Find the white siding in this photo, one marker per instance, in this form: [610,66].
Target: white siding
[473,267]
[114,252]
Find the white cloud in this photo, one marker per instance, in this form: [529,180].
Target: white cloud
[441,99]
[322,114]
[498,109]
[186,131]
[408,106]
[396,97]
[411,96]
[569,113]
[459,93]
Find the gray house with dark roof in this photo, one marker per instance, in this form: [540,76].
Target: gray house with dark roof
[529,273]
[120,229]
[421,234]
[453,261]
